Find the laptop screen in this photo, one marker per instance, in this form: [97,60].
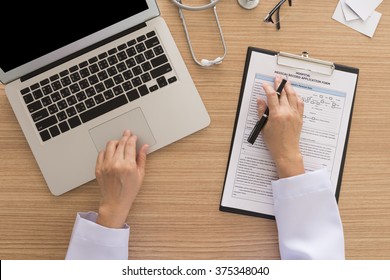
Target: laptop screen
[38,28]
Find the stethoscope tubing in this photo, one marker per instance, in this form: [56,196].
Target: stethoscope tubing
[203,62]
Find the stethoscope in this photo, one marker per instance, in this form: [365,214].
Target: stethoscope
[213,3]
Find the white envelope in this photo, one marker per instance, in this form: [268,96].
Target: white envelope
[349,14]
[367,27]
[364,8]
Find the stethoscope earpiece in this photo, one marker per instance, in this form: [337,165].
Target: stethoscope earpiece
[204,62]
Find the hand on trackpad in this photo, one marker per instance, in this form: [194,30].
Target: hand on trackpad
[133,120]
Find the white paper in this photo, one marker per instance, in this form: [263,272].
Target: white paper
[364,8]
[328,102]
[349,14]
[367,27]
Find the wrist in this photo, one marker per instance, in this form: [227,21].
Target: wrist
[290,166]
[111,218]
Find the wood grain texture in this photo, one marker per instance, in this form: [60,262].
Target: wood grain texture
[176,214]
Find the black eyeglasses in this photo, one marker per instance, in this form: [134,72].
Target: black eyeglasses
[276,9]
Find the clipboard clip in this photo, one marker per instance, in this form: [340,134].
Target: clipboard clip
[305,62]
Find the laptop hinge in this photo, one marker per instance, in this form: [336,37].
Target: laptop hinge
[81,52]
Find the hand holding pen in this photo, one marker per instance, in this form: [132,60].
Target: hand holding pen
[283,127]
[263,120]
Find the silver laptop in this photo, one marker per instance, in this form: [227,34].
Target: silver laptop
[86,75]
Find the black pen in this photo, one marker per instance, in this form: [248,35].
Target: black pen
[260,124]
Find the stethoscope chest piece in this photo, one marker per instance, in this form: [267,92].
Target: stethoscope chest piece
[248,4]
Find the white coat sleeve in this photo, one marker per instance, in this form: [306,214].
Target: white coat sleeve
[91,241]
[307,217]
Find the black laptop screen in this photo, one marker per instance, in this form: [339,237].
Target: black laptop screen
[38,28]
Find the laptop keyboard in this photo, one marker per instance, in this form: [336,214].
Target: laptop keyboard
[98,85]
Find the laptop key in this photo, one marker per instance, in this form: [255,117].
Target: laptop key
[137,70]
[136,81]
[54,77]
[117,90]
[150,34]
[153,88]
[159,60]
[149,54]
[93,68]
[99,98]
[152,42]
[103,108]
[84,73]
[131,52]
[162,82]
[141,38]
[73,68]
[143,90]
[50,121]
[83,64]
[45,135]
[161,70]
[35,106]
[172,79]
[158,50]
[131,43]
[44,82]
[37,94]
[54,131]
[62,116]
[140,47]
[28,98]
[122,47]
[64,73]
[47,90]
[112,51]
[24,91]
[89,103]
[132,94]
[146,77]
[75,121]
[64,127]
[39,115]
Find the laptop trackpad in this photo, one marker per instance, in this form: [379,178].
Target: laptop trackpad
[113,129]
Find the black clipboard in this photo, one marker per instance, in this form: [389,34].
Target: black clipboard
[304,62]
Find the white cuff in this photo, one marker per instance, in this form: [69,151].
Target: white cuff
[301,184]
[92,241]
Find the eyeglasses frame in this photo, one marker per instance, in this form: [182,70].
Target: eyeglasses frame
[276,10]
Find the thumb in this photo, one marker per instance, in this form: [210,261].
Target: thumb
[261,107]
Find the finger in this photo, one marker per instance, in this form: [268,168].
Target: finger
[283,96]
[141,158]
[300,106]
[278,79]
[99,161]
[127,132]
[110,149]
[130,148]
[120,149]
[291,95]
[272,97]
[261,107]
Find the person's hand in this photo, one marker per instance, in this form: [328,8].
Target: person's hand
[119,172]
[282,131]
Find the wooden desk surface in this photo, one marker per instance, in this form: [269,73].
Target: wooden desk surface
[176,214]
